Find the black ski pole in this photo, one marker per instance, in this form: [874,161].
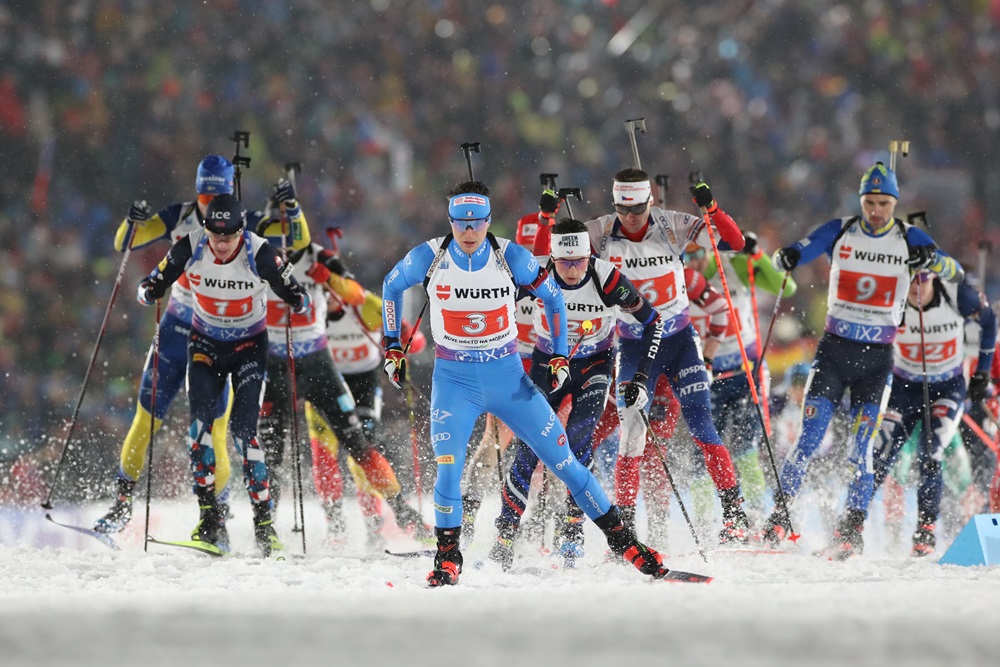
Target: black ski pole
[90,366]
[241,137]
[152,422]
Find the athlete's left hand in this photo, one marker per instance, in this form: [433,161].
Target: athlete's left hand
[301,300]
[750,245]
[558,371]
[284,193]
[702,195]
[978,385]
[921,257]
[635,393]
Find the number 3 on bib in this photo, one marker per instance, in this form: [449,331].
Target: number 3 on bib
[474,323]
[878,291]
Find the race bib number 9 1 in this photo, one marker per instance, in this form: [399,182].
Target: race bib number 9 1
[869,290]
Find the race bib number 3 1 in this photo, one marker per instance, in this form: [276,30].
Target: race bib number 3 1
[475,323]
[869,290]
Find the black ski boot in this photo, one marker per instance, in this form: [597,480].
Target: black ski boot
[735,525]
[263,530]
[408,518]
[121,510]
[847,540]
[448,559]
[624,543]
[923,540]
[571,546]
[502,550]
[777,528]
[211,526]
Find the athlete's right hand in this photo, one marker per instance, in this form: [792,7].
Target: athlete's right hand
[549,203]
[151,289]
[140,211]
[395,365]
[634,392]
[786,259]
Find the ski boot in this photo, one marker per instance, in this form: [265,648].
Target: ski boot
[777,528]
[624,543]
[336,526]
[408,518]
[470,508]
[627,515]
[211,527]
[373,536]
[121,510]
[735,525]
[263,530]
[847,540]
[448,559]
[502,550]
[571,546]
[923,540]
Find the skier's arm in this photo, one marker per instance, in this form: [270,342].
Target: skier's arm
[295,229]
[408,272]
[972,305]
[936,260]
[622,292]
[147,231]
[278,275]
[714,304]
[330,270]
[819,242]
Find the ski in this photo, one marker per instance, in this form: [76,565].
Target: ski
[680,576]
[196,545]
[419,553]
[100,537]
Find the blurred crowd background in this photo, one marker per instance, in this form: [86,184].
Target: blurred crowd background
[781,104]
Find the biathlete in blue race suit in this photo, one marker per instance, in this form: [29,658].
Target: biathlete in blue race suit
[872,257]
[471,279]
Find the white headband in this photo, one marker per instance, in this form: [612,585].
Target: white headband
[570,246]
[631,193]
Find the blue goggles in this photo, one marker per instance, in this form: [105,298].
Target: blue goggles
[476,225]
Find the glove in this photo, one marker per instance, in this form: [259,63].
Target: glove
[284,193]
[140,211]
[750,243]
[151,289]
[395,363]
[922,257]
[786,259]
[549,203]
[319,273]
[302,300]
[708,369]
[635,393]
[978,385]
[703,195]
[558,371]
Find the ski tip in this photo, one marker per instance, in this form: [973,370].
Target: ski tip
[794,537]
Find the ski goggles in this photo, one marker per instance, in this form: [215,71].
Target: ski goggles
[476,225]
[695,254]
[571,263]
[622,209]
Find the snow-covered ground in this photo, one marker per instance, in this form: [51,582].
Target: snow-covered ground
[79,603]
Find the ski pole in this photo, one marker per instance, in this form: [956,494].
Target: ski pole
[152,422]
[657,444]
[774,316]
[241,137]
[746,362]
[752,285]
[90,366]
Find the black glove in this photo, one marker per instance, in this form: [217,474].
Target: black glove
[140,211]
[750,243]
[786,259]
[549,203]
[921,257]
[634,392]
[702,195]
[302,299]
[978,385]
[284,193]
[151,289]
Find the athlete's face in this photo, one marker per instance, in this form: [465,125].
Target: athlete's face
[571,271]
[224,246]
[203,202]
[469,234]
[877,209]
[633,218]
